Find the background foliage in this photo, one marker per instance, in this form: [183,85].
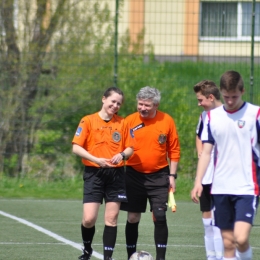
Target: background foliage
[55,71]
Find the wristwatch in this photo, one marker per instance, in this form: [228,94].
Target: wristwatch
[173,175]
[123,155]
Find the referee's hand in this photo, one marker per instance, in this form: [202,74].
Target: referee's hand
[172,183]
[104,163]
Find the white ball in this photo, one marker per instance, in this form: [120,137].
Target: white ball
[141,255]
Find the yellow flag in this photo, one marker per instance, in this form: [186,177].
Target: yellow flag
[171,201]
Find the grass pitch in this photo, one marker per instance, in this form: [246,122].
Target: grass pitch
[50,229]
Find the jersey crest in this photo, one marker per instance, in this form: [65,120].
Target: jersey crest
[162,138]
[116,136]
[241,123]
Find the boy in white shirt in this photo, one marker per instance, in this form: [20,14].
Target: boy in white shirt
[208,97]
[235,130]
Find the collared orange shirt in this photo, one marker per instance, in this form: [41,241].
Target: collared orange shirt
[156,140]
[103,139]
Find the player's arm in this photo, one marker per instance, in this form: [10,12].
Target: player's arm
[198,146]
[202,166]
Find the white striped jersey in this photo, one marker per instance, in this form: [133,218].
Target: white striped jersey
[237,136]
[207,179]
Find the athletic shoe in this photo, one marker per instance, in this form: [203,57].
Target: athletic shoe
[85,255]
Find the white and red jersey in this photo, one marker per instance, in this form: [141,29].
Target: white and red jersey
[237,136]
[207,179]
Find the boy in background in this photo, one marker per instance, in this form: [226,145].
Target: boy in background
[208,97]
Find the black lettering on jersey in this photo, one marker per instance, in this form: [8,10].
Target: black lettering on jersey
[138,127]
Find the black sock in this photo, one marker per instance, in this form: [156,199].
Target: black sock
[131,234]
[109,241]
[87,237]
[160,239]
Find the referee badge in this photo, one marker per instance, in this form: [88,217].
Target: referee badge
[116,136]
[241,123]
[162,138]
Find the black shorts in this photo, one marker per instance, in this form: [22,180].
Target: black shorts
[104,183]
[206,198]
[140,187]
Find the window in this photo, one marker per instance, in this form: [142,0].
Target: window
[247,17]
[229,20]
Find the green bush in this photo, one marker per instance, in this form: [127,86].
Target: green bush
[174,80]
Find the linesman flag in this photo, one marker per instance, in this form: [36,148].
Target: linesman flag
[171,200]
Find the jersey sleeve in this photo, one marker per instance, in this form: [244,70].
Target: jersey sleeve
[199,127]
[129,140]
[258,126]
[206,136]
[82,132]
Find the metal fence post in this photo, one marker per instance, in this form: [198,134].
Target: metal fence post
[116,42]
[252,52]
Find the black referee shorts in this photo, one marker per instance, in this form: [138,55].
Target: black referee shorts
[104,183]
[140,187]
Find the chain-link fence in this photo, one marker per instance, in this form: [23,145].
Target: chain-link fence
[58,56]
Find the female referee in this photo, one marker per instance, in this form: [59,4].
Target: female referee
[103,141]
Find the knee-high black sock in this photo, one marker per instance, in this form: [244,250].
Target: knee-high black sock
[131,234]
[109,241]
[160,239]
[87,237]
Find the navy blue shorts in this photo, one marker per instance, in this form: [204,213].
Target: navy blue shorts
[206,198]
[104,183]
[229,209]
[140,187]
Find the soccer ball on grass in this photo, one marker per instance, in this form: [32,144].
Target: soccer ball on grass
[141,255]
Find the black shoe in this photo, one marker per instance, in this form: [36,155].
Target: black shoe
[85,255]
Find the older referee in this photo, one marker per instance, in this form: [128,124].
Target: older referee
[151,170]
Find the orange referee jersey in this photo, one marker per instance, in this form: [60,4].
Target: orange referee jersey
[103,139]
[155,140]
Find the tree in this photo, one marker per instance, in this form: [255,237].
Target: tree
[35,32]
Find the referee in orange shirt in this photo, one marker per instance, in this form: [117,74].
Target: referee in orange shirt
[103,141]
[151,170]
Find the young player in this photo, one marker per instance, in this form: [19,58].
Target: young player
[208,97]
[148,173]
[235,130]
[103,141]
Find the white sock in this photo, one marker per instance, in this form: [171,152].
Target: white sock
[247,255]
[218,243]
[209,238]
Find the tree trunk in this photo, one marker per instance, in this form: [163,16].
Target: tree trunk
[19,93]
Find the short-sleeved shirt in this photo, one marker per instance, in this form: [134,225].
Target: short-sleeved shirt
[207,179]
[155,140]
[103,139]
[237,135]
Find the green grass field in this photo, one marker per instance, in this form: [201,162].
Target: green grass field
[50,229]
